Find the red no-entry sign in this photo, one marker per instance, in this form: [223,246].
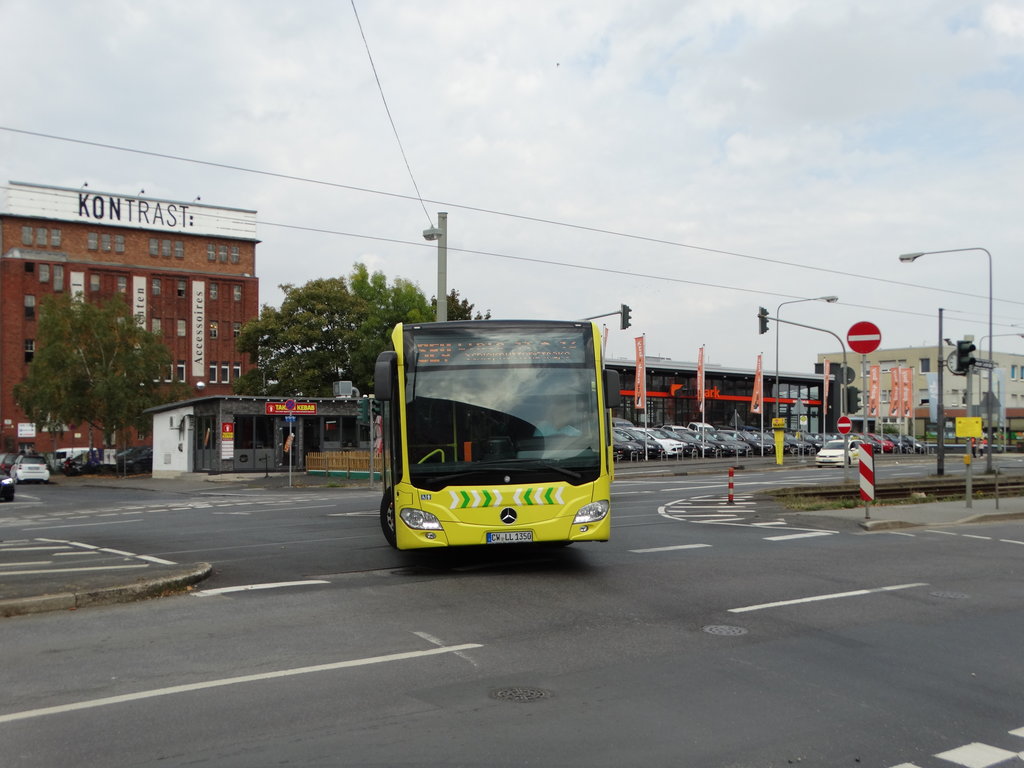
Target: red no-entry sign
[864,337]
[844,425]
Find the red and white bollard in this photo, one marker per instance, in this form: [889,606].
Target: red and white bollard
[867,477]
[732,471]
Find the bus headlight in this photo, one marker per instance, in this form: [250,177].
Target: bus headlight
[420,520]
[591,513]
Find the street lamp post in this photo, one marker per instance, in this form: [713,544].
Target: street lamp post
[440,233]
[830,300]
[909,257]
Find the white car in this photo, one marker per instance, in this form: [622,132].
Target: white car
[30,469]
[831,453]
[672,446]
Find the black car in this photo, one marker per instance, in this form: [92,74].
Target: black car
[626,447]
[134,461]
[6,489]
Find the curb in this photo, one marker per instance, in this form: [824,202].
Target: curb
[124,593]
[985,517]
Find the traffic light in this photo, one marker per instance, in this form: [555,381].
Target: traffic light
[964,358]
[363,411]
[852,399]
[624,317]
[762,320]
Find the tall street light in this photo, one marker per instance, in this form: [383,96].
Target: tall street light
[440,233]
[830,300]
[909,257]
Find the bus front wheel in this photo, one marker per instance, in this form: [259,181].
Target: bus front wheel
[387,518]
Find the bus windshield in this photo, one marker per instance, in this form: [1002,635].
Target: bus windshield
[490,405]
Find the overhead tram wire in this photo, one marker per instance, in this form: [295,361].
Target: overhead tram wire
[476,209]
[586,267]
[387,109]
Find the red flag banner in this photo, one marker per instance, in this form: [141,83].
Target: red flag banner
[908,392]
[640,385]
[757,398]
[824,388]
[700,381]
[895,393]
[874,389]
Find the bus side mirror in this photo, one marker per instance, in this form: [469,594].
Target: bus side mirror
[612,389]
[383,374]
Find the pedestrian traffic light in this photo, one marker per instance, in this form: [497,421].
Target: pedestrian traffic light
[964,358]
[762,320]
[852,399]
[624,318]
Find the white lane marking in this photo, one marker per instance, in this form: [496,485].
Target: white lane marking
[81,525]
[26,563]
[37,549]
[799,536]
[157,560]
[816,598]
[250,587]
[73,570]
[669,549]
[972,536]
[437,641]
[1011,541]
[175,689]
[976,755]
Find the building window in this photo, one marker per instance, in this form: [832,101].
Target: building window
[156,326]
[165,248]
[213,330]
[30,350]
[212,375]
[1013,371]
[58,277]
[181,370]
[44,273]
[30,307]
[234,254]
[154,247]
[236,329]
[156,285]
[181,329]
[224,377]
[222,253]
[211,252]
[236,370]
[26,235]
[119,243]
[122,284]
[105,242]
[30,267]
[93,241]
[42,236]
[94,282]
[214,289]
[179,249]
[181,289]
[925,365]
[55,238]
[236,292]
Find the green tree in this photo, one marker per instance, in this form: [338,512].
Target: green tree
[383,307]
[95,365]
[459,309]
[300,348]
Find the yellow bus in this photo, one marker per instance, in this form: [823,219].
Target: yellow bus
[495,432]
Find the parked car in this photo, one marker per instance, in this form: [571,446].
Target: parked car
[887,445]
[30,469]
[734,439]
[133,461]
[625,446]
[6,460]
[650,447]
[6,489]
[833,452]
[700,445]
[672,445]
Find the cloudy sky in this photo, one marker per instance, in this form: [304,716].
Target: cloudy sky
[694,159]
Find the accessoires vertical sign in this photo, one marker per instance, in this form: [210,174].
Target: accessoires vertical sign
[700,382]
[757,397]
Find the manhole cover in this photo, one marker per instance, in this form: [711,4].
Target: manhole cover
[519,694]
[950,595]
[724,629]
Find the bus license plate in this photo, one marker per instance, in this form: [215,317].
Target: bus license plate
[508,537]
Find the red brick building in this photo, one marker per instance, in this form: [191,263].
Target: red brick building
[187,269]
